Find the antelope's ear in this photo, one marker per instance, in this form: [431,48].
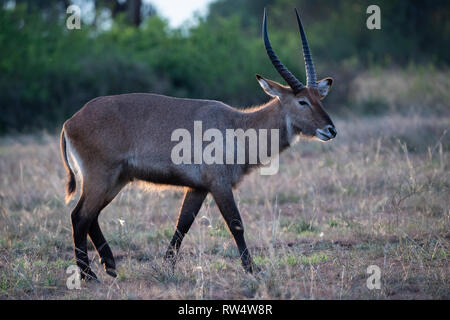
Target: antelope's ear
[272,88]
[324,86]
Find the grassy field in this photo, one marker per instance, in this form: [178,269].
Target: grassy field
[376,195]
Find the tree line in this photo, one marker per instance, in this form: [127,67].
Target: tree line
[48,72]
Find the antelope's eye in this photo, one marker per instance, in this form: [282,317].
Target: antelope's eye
[303,103]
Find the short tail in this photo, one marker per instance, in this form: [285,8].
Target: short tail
[72,183]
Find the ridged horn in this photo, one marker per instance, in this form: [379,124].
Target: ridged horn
[292,81]
[309,64]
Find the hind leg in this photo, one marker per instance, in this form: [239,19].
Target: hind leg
[80,226]
[94,197]
[103,249]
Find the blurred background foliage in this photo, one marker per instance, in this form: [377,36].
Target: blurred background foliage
[48,72]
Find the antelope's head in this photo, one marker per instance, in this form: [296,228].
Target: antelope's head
[301,104]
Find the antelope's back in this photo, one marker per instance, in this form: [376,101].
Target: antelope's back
[138,127]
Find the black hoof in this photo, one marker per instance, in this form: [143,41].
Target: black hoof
[170,258]
[109,265]
[252,268]
[88,275]
[170,255]
[257,269]
[111,272]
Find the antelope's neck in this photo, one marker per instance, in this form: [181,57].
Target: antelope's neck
[269,116]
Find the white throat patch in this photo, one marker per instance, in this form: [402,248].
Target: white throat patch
[292,137]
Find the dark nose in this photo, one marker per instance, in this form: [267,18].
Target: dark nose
[332,131]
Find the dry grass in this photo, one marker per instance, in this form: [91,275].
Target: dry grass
[377,195]
[380,90]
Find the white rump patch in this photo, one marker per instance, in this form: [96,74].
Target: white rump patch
[74,160]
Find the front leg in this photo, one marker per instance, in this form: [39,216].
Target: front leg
[192,203]
[227,206]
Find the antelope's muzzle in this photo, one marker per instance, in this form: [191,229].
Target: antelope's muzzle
[327,133]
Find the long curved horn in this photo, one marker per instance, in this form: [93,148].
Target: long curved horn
[309,64]
[292,81]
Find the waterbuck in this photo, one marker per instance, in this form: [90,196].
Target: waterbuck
[114,140]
